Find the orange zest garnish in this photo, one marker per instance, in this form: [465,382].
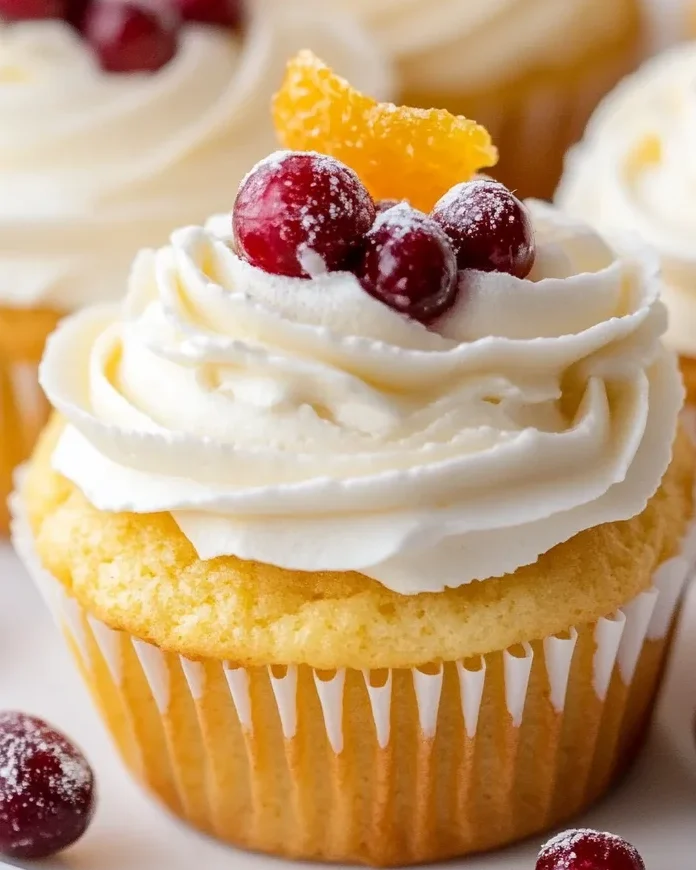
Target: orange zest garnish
[398,152]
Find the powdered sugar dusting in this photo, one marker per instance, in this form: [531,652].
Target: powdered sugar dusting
[46,788]
[490,229]
[299,213]
[585,849]
[408,264]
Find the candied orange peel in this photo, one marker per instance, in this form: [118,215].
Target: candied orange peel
[398,152]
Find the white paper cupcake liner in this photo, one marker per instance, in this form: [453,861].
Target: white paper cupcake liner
[544,689]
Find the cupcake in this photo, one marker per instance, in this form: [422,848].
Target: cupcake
[97,159]
[530,70]
[632,172]
[367,528]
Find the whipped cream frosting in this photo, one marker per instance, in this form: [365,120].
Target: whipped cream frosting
[464,44]
[635,171]
[94,165]
[304,424]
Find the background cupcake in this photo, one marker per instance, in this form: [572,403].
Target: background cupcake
[530,70]
[634,172]
[349,588]
[96,162]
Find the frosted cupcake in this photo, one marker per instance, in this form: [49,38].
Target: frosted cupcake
[96,161]
[633,172]
[367,528]
[531,70]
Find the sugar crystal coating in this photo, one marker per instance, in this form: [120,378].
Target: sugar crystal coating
[583,849]
[46,788]
[488,227]
[300,214]
[408,264]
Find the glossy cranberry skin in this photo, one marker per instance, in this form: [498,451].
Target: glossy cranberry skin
[300,213]
[47,792]
[588,850]
[32,10]
[129,37]
[220,13]
[407,263]
[489,228]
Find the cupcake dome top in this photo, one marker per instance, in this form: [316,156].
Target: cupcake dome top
[634,172]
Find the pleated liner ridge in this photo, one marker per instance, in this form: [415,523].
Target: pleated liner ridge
[381,767]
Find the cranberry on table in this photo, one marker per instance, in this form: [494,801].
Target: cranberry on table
[489,228]
[300,214]
[407,263]
[129,37]
[588,850]
[47,791]
[222,13]
[32,10]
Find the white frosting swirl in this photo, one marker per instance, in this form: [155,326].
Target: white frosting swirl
[93,165]
[303,424]
[461,45]
[635,171]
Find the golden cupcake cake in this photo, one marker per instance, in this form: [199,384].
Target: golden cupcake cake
[367,526]
[633,172]
[531,70]
[114,133]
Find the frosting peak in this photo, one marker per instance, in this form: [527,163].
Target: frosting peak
[302,423]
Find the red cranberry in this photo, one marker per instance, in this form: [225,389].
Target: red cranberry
[489,228]
[588,850]
[30,10]
[129,37]
[77,10]
[300,213]
[46,788]
[221,13]
[408,263]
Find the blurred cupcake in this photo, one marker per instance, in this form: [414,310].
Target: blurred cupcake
[530,70]
[345,587]
[634,172]
[97,159]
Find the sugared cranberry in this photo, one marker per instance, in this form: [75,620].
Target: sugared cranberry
[489,228]
[221,13]
[300,214]
[31,10]
[408,263]
[588,850]
[46,788]
[129,37]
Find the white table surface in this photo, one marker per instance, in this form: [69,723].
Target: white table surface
[655,808]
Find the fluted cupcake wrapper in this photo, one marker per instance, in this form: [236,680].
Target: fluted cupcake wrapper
[383,767]
[23,413]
